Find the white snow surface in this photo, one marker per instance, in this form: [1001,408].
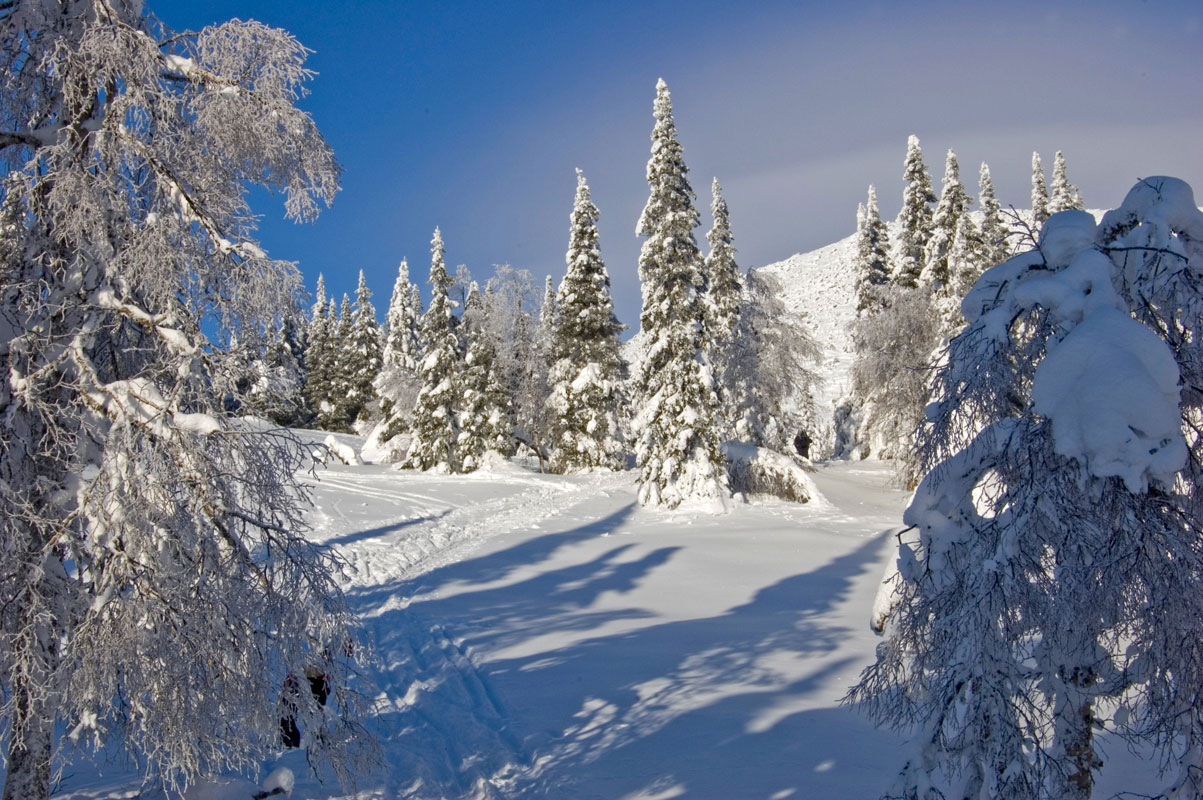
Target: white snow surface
[541,636]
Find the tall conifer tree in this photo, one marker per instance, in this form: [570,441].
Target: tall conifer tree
[954,204]
[915,217]
[435,425]
[1064,194]
[678,450]
[723,303]
[721,269]
[486,418]
[992,233]
[872,257]
[362,354]
[401,338]
[337,413]
[1040,199]
[586,367]
[317,351]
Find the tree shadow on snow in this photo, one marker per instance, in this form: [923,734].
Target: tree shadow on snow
[699,708]
[372,533]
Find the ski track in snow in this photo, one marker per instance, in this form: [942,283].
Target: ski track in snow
[447,729]
[465,750]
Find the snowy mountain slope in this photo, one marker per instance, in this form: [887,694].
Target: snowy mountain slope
[820,287]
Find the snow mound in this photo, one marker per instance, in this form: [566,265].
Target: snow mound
[279,782]
[342,451]
[756,472]
[392,451]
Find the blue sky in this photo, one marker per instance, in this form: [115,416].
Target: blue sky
[473,116]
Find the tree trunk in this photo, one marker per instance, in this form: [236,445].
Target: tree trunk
[28,775]
[1078,736]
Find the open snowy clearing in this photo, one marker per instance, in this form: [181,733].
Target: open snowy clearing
[541,636]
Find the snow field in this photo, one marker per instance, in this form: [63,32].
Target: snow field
[542,636]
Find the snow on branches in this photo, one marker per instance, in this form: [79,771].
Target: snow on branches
[1059,521]
[156,569]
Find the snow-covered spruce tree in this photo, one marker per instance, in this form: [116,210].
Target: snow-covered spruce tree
[157,585]
[337,412]
[993,231]
[1040,200]
[586,375]
[954,204]
[722,272]
[678,449]
[965,265]
[435,424]
[402,344]
[397,385]
[1053,581]
[723,300]
[914,218]
[278,393]
[1064,194]
[486,416]
[318,355]
[362,356]
[872,257]
[536,388]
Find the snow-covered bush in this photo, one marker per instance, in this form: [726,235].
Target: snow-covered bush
[892,373]
[759,472]
[1055,576]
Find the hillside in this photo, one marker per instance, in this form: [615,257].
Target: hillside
[820,287]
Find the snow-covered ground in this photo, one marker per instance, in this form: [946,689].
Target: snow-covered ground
[542,636]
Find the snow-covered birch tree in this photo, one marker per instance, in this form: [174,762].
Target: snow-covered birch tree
[157,583]
[586,375]
[1051,579]
[678,449]
[771,376]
